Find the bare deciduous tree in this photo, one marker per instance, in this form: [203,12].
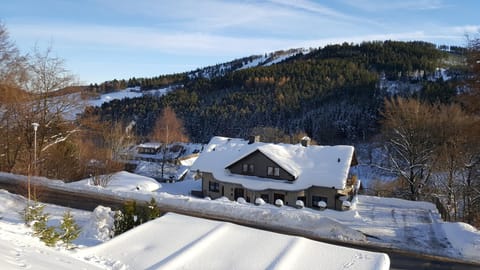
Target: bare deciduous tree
[168,128]
[13,70]
[435,150]
[30,93]
[408,130]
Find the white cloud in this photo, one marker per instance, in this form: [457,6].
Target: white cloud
[312,7]
[140,38]
[382,5]
[208,44]
[466,29]
[239,17]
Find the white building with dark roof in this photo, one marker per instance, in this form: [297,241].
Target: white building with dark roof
[291,172]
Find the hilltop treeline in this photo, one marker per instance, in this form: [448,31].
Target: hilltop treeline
[331,93]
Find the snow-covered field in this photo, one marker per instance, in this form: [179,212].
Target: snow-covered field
[126,93]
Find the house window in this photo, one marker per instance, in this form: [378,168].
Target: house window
[273,171]
[248,168]
[213,186]
[317,199]
[264,197]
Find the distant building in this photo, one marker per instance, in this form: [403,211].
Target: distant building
[150,148]
[291,172]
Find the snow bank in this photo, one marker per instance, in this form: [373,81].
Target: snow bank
[183,242]
[124,182]
[465,238]
[99,227]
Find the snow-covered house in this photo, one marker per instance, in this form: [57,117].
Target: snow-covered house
[291,172]
[149,148]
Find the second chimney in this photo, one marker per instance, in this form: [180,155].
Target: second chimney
[253,139]
[305,141]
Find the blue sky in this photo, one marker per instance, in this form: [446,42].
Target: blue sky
[106,39]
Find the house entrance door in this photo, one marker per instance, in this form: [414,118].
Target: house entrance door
[239,192]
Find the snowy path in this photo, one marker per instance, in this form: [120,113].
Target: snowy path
[413,227]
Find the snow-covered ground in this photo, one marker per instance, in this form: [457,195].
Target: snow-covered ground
[180,242]
[388,222]
[385,222]
[126,93]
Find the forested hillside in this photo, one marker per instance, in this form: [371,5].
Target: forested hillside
[333,93]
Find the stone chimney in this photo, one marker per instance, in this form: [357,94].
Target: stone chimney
[305,141]
[253,139]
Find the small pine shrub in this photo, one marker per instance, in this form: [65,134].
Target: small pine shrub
[134,215]
[153,211]
[50,236]
[69,229]
[34,217]
[32,213]
[39,224]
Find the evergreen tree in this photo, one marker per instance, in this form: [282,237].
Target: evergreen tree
[134,215]
[69,229]
[32,213]
[153,210]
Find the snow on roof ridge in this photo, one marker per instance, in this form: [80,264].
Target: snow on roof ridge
[291,167]
[150,144]
[315,165]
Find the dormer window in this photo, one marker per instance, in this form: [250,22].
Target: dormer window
[248,168]
[273,171]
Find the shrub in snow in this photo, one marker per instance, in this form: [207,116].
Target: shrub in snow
[322,205]
[278,202]
[346,205]
[133,215]
[32,213]
[299,204]
[153,211]
[69,229]
[49,236]
[208,198]
[34,217]
[259,201]
[241,200]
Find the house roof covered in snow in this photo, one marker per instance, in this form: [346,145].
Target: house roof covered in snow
[154,145]
[314,165]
